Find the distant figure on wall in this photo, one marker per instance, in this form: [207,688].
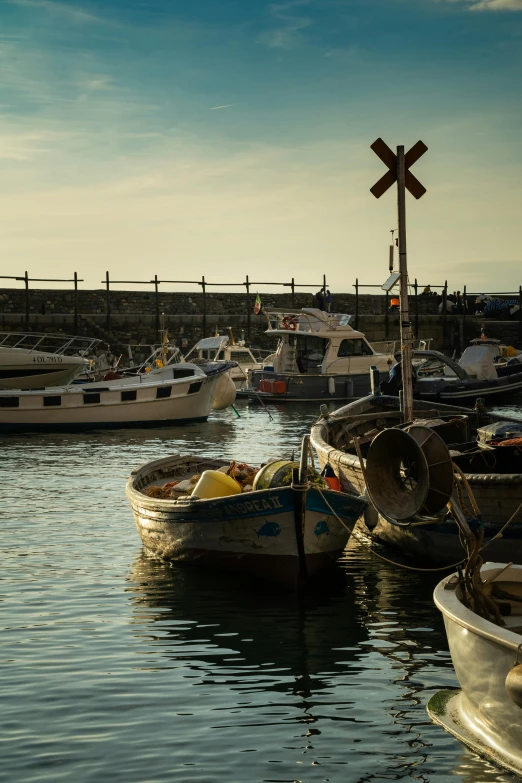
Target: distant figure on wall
[320,299]
[328,300]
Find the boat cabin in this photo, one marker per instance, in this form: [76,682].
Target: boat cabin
[312,342]
[220,348]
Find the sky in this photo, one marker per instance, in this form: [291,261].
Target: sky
[230,138]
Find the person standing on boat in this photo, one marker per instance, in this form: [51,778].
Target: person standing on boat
[328,300]
[320,299]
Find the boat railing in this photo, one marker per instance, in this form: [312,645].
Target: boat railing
[310,320]
[394,346]
[59,344]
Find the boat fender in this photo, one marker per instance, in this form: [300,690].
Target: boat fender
[289,323]
[514,681]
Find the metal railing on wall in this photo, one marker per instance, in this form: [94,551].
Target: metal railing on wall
[156,282]
[416,286]
[463,311]
[26,280]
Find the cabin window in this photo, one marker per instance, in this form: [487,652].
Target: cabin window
[163,391]
[241,357]
[9,402]
[195,387]
[184,373]
[356,347]
[54,400]
[90,399]
[128,396]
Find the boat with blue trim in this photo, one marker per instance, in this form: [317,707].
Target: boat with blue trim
[285,534]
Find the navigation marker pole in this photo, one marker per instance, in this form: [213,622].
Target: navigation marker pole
[398,165]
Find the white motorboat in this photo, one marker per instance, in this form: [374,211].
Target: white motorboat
[29,360]
[319,357]
[223,348]
[176,393]
[486,713]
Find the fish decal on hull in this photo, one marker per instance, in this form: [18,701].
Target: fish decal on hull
[321,528]
[269,529]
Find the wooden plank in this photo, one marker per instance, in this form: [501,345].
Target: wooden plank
[383,152]
[384,183]
[414,186]
[416,152]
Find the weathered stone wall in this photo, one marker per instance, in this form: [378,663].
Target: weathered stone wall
[133,317]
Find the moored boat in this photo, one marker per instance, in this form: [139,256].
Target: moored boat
[486,713]
[493,472]
[285,534]
[319,357]
[30,360]
[177,393]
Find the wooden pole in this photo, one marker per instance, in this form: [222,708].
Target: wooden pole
[520,313]
[75,303]
[292,287]
[156,303]
[386,316]
[406,352]
[247,284]
[444,312]
[26,281]
[107,304]
[416,287]
[203,288]
[356,302]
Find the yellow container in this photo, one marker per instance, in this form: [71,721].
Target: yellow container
[214,484]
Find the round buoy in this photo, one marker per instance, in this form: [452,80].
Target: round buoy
[514,684]
[223,393]
[279,474]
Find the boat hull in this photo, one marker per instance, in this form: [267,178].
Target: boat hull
[434,544]
[481,714]
[248,533]
[313,388]
[188,400]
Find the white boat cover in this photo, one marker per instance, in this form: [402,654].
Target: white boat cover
[478,362]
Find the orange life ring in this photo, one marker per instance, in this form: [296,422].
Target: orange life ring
[289,323]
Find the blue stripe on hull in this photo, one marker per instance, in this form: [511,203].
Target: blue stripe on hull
[265,503]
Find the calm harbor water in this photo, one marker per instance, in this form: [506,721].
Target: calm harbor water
[115,666]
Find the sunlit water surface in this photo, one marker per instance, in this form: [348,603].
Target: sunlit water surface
[115,666]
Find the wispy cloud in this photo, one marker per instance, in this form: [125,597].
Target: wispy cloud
[289,25]
[72,13]
[497,5]
[225,106]
[490,5]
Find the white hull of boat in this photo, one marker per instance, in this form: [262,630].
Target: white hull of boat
[481,714]
[125,402]
[25,369]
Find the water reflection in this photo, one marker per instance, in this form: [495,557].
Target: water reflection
[354,665]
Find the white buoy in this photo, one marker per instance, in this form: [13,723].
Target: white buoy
[223,393]
[331,385]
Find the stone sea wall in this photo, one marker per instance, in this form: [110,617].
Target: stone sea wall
[133,316]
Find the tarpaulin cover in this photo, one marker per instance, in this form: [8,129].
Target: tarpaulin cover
[478,363]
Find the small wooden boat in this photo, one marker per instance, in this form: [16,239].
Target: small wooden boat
[486,713]
[284,534]
[495,479]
